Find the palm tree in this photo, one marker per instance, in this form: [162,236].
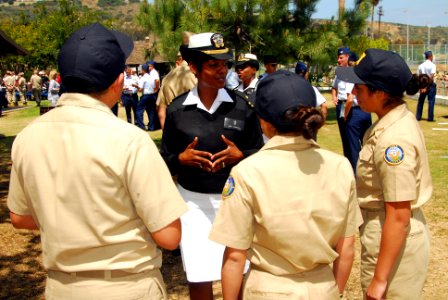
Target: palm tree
[374,3]
[341,9]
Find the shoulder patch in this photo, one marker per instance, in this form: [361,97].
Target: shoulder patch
[229,187]
[394,155]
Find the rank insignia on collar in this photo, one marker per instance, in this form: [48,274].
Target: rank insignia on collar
[217,40]
[394,155]
[229,187]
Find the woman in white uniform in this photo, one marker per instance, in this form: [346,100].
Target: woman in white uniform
[207,131]
[393,179]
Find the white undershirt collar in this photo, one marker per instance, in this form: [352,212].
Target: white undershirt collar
[193,99]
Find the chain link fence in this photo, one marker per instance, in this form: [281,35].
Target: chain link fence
[413,54]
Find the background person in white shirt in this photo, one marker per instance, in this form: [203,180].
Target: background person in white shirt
[428,68]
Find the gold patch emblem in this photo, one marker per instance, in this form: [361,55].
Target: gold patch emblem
[217,40]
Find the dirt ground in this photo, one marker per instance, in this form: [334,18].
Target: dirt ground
[23,277]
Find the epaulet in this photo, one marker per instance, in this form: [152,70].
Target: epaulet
[244,97]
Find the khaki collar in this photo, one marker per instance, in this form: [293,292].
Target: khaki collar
[390,118]
[290,143]
[82,100]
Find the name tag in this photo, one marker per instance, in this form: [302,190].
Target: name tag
[233,124]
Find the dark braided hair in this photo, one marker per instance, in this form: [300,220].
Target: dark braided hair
[307,121]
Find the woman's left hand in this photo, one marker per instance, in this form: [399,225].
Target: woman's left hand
[376,289]
[226,157]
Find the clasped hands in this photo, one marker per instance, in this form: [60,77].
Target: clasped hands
[210,162]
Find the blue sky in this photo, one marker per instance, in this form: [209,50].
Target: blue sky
[415,12]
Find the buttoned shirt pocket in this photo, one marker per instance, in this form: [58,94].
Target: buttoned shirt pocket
[369,187]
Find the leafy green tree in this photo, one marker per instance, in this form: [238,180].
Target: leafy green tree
[42,32]
[257,26]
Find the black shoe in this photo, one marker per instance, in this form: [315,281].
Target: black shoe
[431,120]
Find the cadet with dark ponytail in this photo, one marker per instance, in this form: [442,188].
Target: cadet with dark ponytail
[278,210]
[393,179]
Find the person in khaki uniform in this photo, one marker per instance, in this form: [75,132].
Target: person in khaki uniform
[36,86]
[279,211]
[10,87]
[21,87]
[100,213]
[393,179]
[176,82]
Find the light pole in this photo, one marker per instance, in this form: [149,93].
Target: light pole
[429,35]
[407,35]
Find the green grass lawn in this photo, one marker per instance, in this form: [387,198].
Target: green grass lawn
[16,246]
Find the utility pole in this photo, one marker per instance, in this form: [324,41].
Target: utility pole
[372,15]
[380,13]
[407,35]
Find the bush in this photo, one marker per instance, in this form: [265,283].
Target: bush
[103,3]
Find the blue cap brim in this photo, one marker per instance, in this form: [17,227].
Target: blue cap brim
[348,74]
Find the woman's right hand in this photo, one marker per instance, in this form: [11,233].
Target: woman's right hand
[196,158]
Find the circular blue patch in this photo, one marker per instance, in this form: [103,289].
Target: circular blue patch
[229,187]
[394,155]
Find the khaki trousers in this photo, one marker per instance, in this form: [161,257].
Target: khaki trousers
[318,284]
[408,276]
[145,285]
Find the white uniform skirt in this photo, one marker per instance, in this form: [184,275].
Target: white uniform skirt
[201,257]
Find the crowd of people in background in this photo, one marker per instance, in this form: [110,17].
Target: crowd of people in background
[15,88]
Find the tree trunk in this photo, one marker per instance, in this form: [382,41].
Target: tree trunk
[341,8]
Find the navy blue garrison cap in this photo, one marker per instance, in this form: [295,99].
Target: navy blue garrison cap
[95,55]
[279,92]
[301,67]
[343,50]
[353,57]
[428,53]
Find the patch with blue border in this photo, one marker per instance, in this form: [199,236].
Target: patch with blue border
[229,187]
[394,155]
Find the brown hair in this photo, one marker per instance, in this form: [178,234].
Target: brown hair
[307,121]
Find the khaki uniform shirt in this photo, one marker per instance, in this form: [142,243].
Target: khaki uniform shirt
[176,82]
[36,82]
[393,163]
[21,84]
[286,206]
[9,82]
[83,175]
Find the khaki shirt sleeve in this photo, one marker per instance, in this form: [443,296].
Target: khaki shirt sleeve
[354,216]
[156,198]
[17,200]
[398,175]
[161,97]
[233,225]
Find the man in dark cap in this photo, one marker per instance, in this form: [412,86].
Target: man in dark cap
[428,68]
[352,121]
[100,212]
[148,85]
[270,64]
